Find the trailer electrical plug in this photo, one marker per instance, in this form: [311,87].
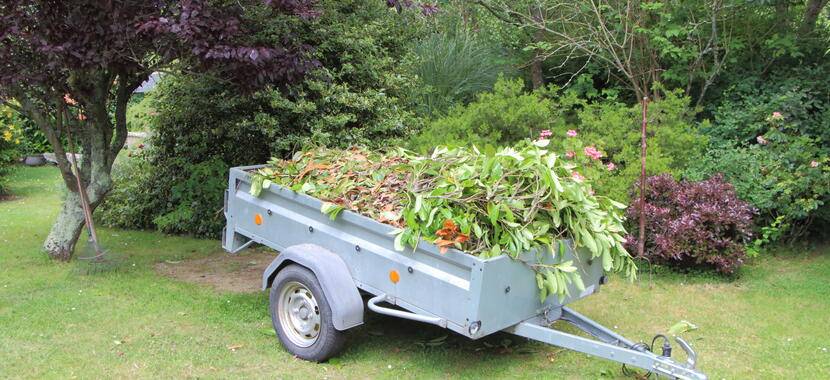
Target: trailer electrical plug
[666,348]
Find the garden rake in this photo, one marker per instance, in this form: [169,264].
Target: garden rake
[93,257]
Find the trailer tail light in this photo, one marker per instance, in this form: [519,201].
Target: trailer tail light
[258,218]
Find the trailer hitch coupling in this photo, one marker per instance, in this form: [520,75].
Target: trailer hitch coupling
[691,355]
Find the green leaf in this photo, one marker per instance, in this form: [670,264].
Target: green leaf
[508,213]
[589,242]
[308,187]
[256,185]
[493,213]
[477,230]
[577,279]
[399,238]
[607,262]
[331,209]
[419,201]
[681,327]
[556,184]
[567,267]
[617,204]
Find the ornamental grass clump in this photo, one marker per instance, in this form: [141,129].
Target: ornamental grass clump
[519,199]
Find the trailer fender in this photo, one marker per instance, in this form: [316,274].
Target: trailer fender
[333,275]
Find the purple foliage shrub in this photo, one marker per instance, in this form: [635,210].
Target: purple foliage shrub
[693,224]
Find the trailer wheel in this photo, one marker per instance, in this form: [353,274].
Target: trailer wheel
[301,315]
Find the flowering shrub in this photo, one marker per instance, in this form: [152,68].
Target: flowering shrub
[9,143]
[610,131]
[783,173]
[694,224]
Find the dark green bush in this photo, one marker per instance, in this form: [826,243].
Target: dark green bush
[801,95]
[501,117]
[131,203]
[771,140]
[784,174]
[202,126]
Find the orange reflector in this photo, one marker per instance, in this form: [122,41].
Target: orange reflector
[394,276]
[258,219]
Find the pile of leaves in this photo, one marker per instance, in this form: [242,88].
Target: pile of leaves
[370,183]
[519,199]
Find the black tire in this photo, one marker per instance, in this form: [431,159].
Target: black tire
[329,341]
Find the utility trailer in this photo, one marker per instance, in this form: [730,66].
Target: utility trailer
[325,265]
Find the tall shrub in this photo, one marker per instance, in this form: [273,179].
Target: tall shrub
[201,127]
[614,128]
[784,173]
[501,117]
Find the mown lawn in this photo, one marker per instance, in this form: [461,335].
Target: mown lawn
[772,322]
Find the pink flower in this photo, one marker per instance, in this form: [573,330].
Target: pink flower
[571,133]
[761,140]
[570,154]
[777,115]
[813,164]
[577,177]
[592,152]
[68,99]
[611,166]
[545,134]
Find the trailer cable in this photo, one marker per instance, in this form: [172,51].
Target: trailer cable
[666,348]
[641,346]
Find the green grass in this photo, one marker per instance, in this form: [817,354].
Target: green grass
[772,322]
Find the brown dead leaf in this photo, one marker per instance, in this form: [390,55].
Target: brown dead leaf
[311,166]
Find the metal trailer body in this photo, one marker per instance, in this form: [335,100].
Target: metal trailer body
[454,290]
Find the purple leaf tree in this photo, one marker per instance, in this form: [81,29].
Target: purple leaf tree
[72,66]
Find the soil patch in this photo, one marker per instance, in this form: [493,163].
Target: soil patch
[241,273]
[7,197]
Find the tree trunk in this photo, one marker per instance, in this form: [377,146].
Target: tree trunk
[60,243]
[536,73]
[814,8]
[536,77]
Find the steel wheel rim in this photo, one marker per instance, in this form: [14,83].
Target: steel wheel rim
[299,314]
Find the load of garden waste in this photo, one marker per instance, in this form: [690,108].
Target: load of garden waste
[520,198]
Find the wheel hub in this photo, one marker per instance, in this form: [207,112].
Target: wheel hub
[299,314]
